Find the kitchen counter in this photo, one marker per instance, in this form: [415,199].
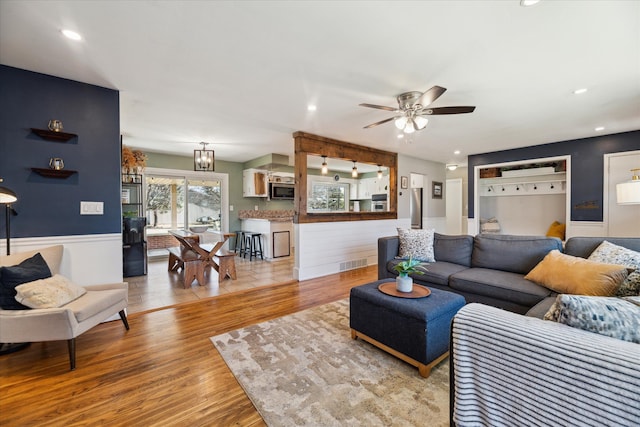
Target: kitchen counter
[274,215]
[277,234]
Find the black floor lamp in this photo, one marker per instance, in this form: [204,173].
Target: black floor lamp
[6,198]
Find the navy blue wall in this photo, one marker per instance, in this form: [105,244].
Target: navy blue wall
[51,206]
[587,166]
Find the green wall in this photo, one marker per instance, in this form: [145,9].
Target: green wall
[234,171]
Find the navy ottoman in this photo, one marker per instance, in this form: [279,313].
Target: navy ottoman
[414,330]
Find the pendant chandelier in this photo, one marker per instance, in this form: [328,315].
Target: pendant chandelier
[203,159]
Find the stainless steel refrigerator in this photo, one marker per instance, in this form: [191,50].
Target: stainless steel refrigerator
[415,207]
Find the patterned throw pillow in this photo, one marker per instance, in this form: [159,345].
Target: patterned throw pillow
[613,254]
[417,244]
[609,316]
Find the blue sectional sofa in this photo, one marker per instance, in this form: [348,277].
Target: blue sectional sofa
[490,268]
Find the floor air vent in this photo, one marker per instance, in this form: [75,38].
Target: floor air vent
[350,265]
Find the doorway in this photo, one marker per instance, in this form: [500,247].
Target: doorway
[620,220]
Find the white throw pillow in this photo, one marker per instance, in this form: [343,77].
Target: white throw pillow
[52,292]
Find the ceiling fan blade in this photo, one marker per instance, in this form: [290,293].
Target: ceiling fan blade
[380,107]
[379,123]
[446,110]
[430,95]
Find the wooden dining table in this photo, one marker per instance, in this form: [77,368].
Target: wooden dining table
[206,252]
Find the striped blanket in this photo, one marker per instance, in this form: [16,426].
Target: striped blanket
[514,370]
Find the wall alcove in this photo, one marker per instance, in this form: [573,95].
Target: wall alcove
[524,197]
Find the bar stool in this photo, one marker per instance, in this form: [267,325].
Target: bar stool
[239,247]
[252,245]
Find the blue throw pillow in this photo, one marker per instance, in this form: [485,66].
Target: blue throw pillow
[30,269]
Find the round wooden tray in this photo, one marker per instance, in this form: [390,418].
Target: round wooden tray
[419,291]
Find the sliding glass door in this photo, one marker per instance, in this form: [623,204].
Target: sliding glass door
[177,199]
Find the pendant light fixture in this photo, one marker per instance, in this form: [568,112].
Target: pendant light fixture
[379,172]
[203,159]
[628,193]
[325,168]
[354,171]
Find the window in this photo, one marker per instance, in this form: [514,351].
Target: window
[178,199]
[328,197]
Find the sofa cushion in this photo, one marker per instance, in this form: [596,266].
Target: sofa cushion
[48,293]
[613,317]
[453,249]
[51,254]
[613,254]
[541,309]
[501,285]
[516,254]
[584,246]
[94,302]
[437,272]
[30,269]
[567,274]
[416,244]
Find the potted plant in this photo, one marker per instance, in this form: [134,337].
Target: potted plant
[404,283]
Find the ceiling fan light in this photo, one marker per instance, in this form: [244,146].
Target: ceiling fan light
[409,128]
[420,122]
[401,122]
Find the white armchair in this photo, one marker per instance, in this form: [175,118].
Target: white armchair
[66,322]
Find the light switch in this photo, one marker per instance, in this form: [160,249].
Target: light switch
[91,208]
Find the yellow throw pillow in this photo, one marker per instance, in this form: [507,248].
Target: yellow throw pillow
[566,274]
[557,229]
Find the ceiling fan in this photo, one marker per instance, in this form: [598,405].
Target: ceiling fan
[413,110]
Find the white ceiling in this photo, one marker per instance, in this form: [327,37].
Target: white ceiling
[240,74]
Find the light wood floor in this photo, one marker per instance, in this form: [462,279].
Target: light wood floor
[163,372]
[161,288]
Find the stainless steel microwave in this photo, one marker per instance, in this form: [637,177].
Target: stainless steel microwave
[279,191]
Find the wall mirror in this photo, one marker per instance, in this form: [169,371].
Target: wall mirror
[339,194]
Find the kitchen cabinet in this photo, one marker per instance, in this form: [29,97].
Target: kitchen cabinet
[365,188]
[254,183]
[353,189]
[417,180]
[381,185]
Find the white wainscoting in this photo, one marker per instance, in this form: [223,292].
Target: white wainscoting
[322,246]
[586,229]
[87,259]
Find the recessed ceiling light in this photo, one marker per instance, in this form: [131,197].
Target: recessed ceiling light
[400,136]
[599,128]
[526,3]
[72,35]
[456,152]
[579,91]
[311,107]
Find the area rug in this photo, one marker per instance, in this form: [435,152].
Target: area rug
[305,370]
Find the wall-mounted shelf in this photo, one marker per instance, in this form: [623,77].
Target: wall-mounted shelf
[54,173]
[555,183]
[53,136]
